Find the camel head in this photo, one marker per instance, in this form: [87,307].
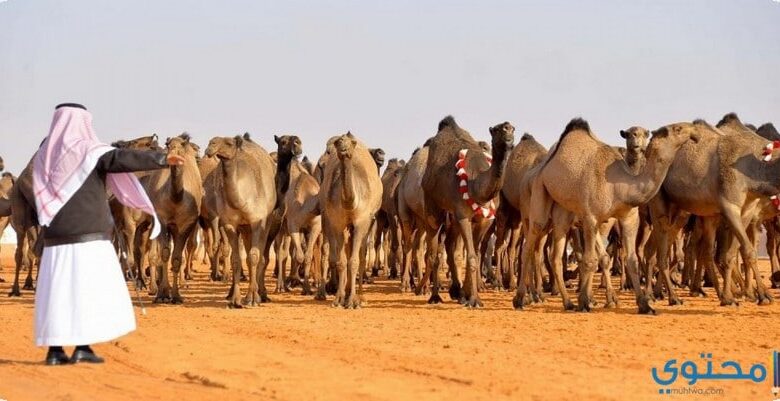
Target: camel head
[502,136]
[141,143]
[668,139]
[636,139]
[224,148]
[378,155]
[181,145]
[345,146]
[288,145]
[6,183]
[484,146]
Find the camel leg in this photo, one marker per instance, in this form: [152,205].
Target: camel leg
[431,265]
[423,270]
[590,260]
[282,279]
[180,238]
[406,270]
[472,264]
[603,266]
[453,248]
[748,252]
[164,246]
[771,249]
[338,259]
[314,232]
[261,241]
[510,278]
[230,234]
[561,222]
[628,233]
[21,241]
[359,233]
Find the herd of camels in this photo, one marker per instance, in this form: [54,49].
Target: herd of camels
[677,208]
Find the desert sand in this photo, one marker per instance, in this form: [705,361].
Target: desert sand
[396,348]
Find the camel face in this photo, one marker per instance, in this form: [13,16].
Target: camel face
[677,134]
[289,145]
[142,143]
[503,134]
[379,156]
[636,139]
[181,146]
[224,148]
[345,146]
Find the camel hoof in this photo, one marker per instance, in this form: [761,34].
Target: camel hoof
[583,307]
[393,273]
[352,303]
[320,296]
[264,298]
[728,302]
[568,305]
[177,300]
[338,302]
[538,297]
[675,301]
[455,291]
[292,282]
[435,299]
[751,296]
[161,299]
[374,272]
[216,277]
[610,305]
[331,288]
[518,302]
[405,286]
[307,291]
[765,299]
[235,305]
[15,292]
[697,292]
[28,286]
[473,302]
[658,296]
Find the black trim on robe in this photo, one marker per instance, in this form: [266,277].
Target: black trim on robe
[86,216]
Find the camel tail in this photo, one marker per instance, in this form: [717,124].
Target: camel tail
[576,124]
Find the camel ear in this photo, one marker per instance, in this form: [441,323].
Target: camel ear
[349,134]
[623,134]
[239,141]
[277,139]
[154,137]
[167,141]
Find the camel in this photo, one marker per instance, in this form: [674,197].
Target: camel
[302,204]
[24,220]
[176,193]
[289,147]
[132,224]
[386,223]
[723,175]
[6,187]
[411,218]
[605,188]
[350,196]
[527,154]
[208,166]
[244,182]
[442,191]
[768,131]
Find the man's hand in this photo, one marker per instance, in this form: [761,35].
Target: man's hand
[175,160]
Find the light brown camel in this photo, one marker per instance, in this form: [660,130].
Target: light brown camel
[527,154]
[350,196]
[411,216]
[585,179]
[387,235]
[24,220]
[209,217]
[721,176]
[441,188]
[6,187]
[247,196]
[176,193]
[133,224]
[303,218]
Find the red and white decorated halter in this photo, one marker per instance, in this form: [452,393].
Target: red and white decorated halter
[768,149]
[487,211]
[771,146]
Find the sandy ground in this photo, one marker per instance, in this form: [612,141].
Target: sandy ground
[396,348]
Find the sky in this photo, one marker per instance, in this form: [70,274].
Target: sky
[386,70]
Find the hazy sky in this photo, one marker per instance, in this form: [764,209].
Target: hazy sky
[387,70]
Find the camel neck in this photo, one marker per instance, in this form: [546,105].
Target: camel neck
[230,182]
[347,189]
[177,183]
[650,178]
[487,184]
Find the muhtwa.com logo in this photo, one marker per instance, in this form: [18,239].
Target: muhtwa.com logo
[703,375]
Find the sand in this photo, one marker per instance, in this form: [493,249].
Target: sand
[395,348]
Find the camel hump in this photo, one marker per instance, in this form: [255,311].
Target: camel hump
[576,124]
[526,137]
[730,118]
[448,122]
[768,131]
